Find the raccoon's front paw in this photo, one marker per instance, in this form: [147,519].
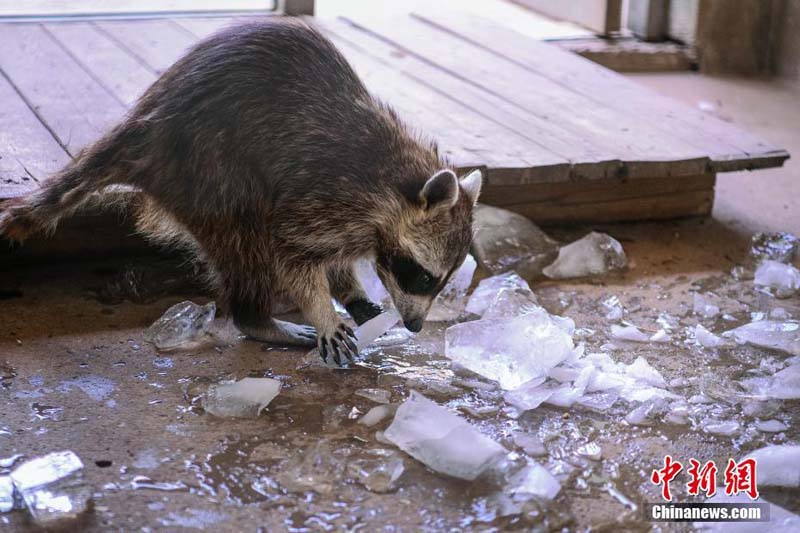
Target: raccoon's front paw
[362,310]
[340,342]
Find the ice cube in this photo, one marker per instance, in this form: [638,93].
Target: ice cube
[506,241]
[771,426]
[707,339]
[534,480]
[440,439]
[366,275]
[775,335]
[376,414]
[509,303]
[6,494]
[450,303]
[778,466]
[52,488]
[596,253]
[245,398]
[784,385]
[509,351]
[486,291]
[180,324]
[701,306]
[373,328]
[379,474]
[628,333]
[783,279]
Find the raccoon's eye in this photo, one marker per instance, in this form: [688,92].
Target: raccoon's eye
[411,276]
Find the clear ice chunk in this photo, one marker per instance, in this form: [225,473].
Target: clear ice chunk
[628,333]
[316,468]
[52,488]
[642,371]
[771,426]
[441,440]
[510,303]
[724,428]
[661,336]
[506,241]
[782,278]
[182,323]
[530,444]
[375,395]
[647,413]
[594,254]
[366,275]
[702,307]
[707,339]
[245,398]
[373,328]
[534,480]
[778,466]
[486,291]
[775,335]
[451,302]
[509,351]
[376,414]
[379,474]
[783,385]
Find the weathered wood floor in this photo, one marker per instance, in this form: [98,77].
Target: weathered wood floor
[560,138]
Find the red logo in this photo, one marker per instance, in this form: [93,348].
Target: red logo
[739,477]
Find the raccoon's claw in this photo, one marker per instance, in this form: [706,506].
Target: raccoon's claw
[340,343]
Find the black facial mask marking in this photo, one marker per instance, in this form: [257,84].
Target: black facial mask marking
[411,277]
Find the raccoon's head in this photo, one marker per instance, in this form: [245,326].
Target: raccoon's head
[423,249]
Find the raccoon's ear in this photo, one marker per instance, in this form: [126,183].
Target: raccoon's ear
[441,190]
[471,184]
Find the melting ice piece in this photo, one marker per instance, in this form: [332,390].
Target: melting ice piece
[784,385]
[509,351]
[781,336]
[535,480]
[628,333]
[701,306]
[453,299]
[660,336]
[725,428]
[6,494]
[771,426]
[373,328]
[245,398]
[510,303]
[778,466]
[442,440]
[596,253]
[641,370]
[52,488]
[486,291]
[183,322]
[379,474]
[505,241]
[365,273]
[375,415]
[783,279]
[707,339]
[375,395]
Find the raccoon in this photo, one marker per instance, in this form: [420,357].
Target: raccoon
[262,152]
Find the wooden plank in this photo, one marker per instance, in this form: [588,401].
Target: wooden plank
[643,150]
[204,27]
[464,137]
[602,16]
[157,43]
[109,64]
[607,201]
[729,148]
[586,161]
[72,104]
[28,152]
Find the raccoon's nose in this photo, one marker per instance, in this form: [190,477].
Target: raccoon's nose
[413,325]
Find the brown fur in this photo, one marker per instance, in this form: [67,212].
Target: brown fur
[262,151]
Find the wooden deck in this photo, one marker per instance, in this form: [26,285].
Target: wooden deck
[560,138]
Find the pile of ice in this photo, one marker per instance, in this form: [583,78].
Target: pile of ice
[594,254]
[779,247]
[506,241]
[783,279]
[50,487]
[181,324]
[245,398]
[450,303]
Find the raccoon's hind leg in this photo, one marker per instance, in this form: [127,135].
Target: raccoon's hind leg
[253,319]
[348,291]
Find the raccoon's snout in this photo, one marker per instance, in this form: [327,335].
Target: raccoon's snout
[414,325]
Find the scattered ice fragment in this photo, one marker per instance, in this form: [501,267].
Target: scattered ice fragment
[614,309]
[376,414]
[450,303]
[779,246]
[245,398]
[782,278]
[316,468]
[8,462]
[725,428]
[784,385]
[781,336]
[375,395]
[379,474]
[678,413]
[373,328]
[6,494]
[510,303]
[660,336]
[628,333]
[486,291]
[591,450]
[182,323]
[596,253]
[509,351]
[778,466]
[52,488]
[505,241]
[534,480]
[707,339]
[440,439]
[366,275]
[771,426]
[701,306]
[530,444]
[641,370]
[647,413]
